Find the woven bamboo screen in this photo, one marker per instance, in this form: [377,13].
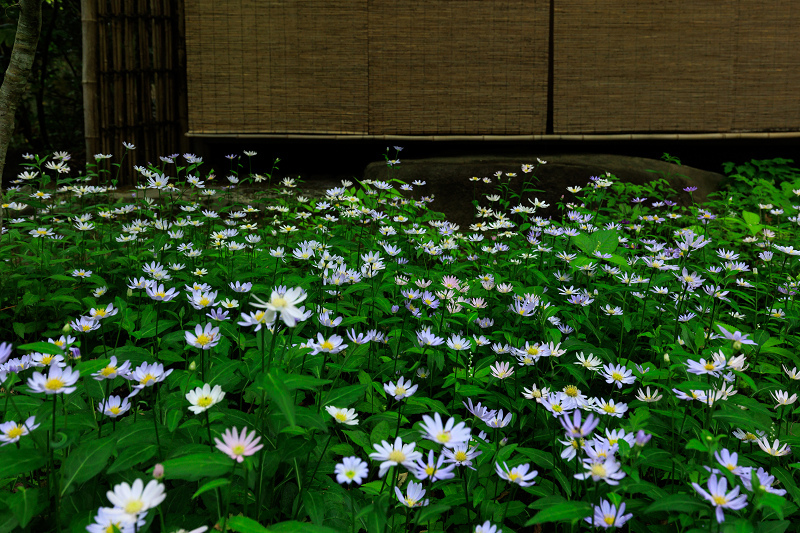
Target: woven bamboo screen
[256,66]
[702,66]
[479,67]
[458,66]
[136,86]
[358,66]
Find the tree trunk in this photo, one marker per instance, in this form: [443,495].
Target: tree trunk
[19,69]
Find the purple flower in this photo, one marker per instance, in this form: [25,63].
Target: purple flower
[719,497]
[575,429]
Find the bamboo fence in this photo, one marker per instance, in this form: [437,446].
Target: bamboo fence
[134,79]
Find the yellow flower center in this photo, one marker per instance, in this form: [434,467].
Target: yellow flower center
[107,371]
[571,391]
[147,379]
[134,506]
[720,500]
[533,350]
[609,519]
[86,327]
[460,456]
[557,408]
[115,410]
[598,470]
[609,409]
[397,456]
[327,345]
[205,401]
[430,470]
[709,366]
[731,467]
[47,359]
[350,474]
[513,476]
[110,528]
[15,432]
[341,417]
[279,302]
[399,391]
[443,437]
[100,312]
[204,339]
[238,449]
[59,343]
[204,301]
[54,384]
[616,376]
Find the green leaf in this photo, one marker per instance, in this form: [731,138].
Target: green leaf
[133,457]
[25,504]
[196,466]
[344,396]
[135,434]
[44,347]
[19,329]
[243,524]
[86,461]
[739,418]
[8,521]
[431,512]
[22,461]
[676,502]
[149,330]
[173,419]
[211,485]
[293,526]
[561,512]
[315,507]
[750,218]
[278,392]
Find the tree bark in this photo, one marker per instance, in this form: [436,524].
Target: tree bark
[15,82]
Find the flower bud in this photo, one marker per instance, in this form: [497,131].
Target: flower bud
[67,328]
[737,345]
[192,366]
[130,292]
[158,471]
[666,358]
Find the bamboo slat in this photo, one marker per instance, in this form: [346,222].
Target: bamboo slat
[704,66]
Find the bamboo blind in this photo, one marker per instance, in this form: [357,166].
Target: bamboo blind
[360,67]
[477,67]
[258,66]
[139,79]
[458,66]
[702,66]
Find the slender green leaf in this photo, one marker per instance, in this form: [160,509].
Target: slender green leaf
[173,419]
[15,462]
[133,457]
[149,330]
[243,524]
[44,347]
[25,504]
[196,466]
[86,461]
[211,485]
[561,512]
[278,392]
[293,526]
[315,506]
[344,396]
[676,503]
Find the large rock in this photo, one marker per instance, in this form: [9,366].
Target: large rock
[448,178]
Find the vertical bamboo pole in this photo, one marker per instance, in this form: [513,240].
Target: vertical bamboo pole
[89,83]
[181,116]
